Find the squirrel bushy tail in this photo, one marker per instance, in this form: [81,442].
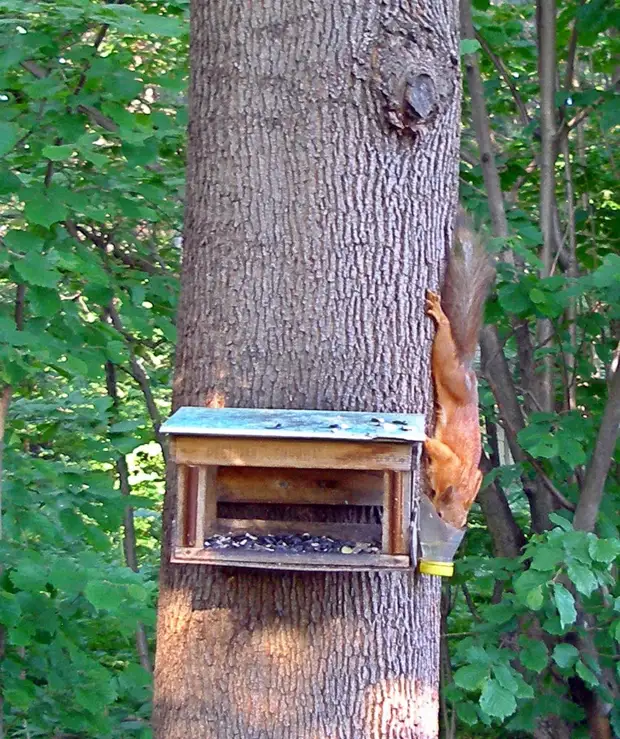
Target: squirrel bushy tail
[466,283]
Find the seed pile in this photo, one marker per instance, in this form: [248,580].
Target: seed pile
[289,543]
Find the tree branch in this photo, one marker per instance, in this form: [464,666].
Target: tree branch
[596,473]
[508,539]
[140,376]
[483,131]
[129,530]
[568,126]
[109,247]
[572,52]
[503,72]
[5,402]
[561,499]
[137,372]
[547,70]
[470,603]
[571,310]
[92,112]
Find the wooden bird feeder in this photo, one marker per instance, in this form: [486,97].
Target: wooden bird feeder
[302,471]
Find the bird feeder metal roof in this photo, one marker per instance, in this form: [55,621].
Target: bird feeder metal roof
[295,424]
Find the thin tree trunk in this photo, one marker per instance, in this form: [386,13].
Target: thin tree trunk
[5,400]
[547,70]
[129,530]
[318,212]
[591,493]
[570,358]
[494,364]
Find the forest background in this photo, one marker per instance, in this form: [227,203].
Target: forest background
[92,134]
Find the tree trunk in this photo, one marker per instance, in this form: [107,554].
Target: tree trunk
[322,186]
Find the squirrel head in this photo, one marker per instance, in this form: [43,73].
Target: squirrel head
[451,509]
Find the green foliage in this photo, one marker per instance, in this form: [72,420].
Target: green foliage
[530,617]
[515,680]
[92,130]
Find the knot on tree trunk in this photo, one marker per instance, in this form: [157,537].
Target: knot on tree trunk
[414,76]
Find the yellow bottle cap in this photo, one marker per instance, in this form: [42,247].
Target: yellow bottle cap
[443,569]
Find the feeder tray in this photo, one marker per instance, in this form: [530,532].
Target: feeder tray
[293,460]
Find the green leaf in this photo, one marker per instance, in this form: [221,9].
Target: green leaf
[137,675]
[10,610]
[500,613]
[505,676]
[21,635]
[67,576]
[9,135]
[529,588]
[476,653]
[89,699]
[58,153]
[533,654]
[583,578]
[466,711]
[539,441]
[525,720]
[9,182]
[545,447]
[469,46]
[160,25]
[523,689]
[123,426]
[610,114]
[565,655]
[125,444]
[29,574]
[604,550]
[514,298]
[104,594]
[23,241]
[496,701]
[44,212]
[576,544]
[530,233]
[547,558]
[43,302]
[586,674]
[608,274]
[535,598]
[35,269]
[99,160]
[471,677]
[138,592]
[571,451]
[561,521]
[565,603]
[20,695]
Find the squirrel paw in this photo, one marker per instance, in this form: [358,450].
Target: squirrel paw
[433,306]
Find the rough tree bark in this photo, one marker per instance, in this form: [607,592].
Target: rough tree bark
[322,186]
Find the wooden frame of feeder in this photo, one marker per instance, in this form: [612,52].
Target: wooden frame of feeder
[292,457]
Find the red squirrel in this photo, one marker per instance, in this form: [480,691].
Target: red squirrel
[453,453]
